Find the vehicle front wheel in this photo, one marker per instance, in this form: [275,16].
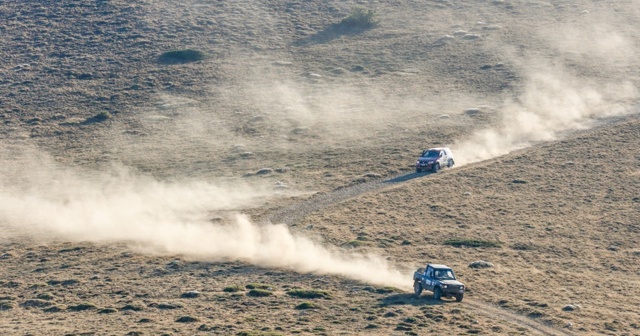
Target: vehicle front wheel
[459,297]
[436,167]
[437,293]
[450,163]
[417,288]
[418,170]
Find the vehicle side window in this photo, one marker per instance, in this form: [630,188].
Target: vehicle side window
[430,273]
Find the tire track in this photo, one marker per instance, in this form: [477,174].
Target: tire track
[296,212]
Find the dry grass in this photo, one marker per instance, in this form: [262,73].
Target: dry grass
[287,102]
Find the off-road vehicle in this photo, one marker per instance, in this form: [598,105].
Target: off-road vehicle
[434,159]
[438,279]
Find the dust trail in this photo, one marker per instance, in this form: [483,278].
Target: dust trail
[552,103]
[39,196]
[584,77]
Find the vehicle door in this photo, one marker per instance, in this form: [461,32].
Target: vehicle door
[442,158]
[429,279]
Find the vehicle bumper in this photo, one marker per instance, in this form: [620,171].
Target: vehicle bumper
[451,292]
[424,166]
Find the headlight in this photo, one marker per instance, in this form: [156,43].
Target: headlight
[445,286]
[417,162]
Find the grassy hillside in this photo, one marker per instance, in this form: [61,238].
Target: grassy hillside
[144,146]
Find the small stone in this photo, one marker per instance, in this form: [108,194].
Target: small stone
[444,116]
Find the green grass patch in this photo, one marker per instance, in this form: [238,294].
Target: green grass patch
[309,294]
[462,242]
[182,56]
[259,293]
[360,18]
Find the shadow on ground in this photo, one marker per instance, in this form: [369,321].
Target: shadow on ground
[411,299]
[329,34]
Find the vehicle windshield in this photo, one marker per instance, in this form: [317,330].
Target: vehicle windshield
[431,153]
[444,274]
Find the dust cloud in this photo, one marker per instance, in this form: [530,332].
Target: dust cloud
[581,82]
[41,198]
[552,103]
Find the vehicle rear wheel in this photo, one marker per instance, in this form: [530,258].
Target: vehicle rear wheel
[417,288]
[450,163]
[459,297]
[437,293]
[436,167]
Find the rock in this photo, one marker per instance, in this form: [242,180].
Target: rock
[613,248]
[190,294]
[471,37]
[472,111]
[480,264]
[6,256]
[264,171]
[444,116]
[571,307]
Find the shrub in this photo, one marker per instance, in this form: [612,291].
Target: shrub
[360,18]
[182,56]
[107,311]
[258,286]
[259,293]
[7,305]
[307,305]
[45,296]
[102,116]
[82,306]
[187,319]
[131,307]
[459,242]
[36,303]
[231,289]
[309,293]
[55,309]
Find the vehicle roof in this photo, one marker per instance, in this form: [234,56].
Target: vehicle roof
[439,148]
[438,266]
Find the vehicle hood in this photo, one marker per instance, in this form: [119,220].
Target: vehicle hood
[451,282]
